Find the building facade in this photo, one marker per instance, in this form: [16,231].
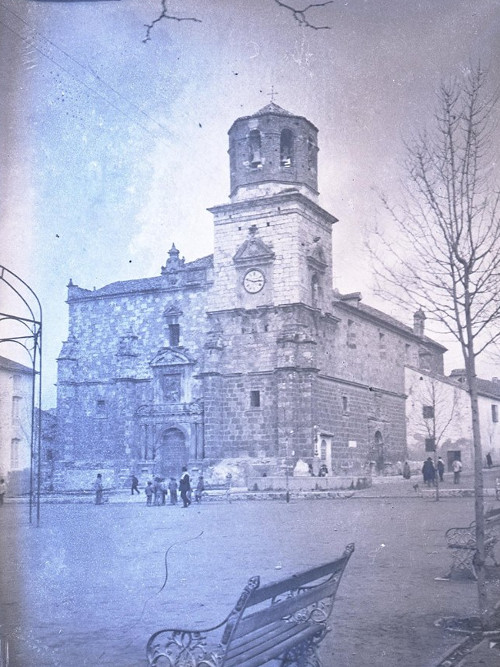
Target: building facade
[16,386]
[249,352]
[438,414]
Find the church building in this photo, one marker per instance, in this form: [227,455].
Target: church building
[249,352]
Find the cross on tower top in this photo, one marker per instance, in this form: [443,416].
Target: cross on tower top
[272,94]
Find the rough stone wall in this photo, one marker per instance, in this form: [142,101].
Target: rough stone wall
[101,384]
[288,225]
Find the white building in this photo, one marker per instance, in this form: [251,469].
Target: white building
[15,416]
[438,413]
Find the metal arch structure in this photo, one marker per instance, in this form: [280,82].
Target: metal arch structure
[24,328]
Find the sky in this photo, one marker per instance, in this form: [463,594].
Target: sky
[112,148]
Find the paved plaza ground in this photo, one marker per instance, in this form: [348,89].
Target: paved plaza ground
[83,588]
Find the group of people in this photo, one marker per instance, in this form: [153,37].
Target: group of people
[431,473]
[158,490]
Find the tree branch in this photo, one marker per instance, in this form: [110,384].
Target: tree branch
[169,17]
[300,15]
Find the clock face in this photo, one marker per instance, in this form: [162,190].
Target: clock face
[254,281]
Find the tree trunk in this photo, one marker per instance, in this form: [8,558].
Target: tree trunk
[479,557]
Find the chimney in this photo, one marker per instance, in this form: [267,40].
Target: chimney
[418,323]
[495,380]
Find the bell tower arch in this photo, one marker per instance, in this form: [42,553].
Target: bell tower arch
[270,151]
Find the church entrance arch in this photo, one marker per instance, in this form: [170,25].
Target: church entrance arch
[171,453]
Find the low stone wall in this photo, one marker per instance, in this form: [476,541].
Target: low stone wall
[308,483]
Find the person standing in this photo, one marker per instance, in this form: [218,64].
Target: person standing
[429,472]
[200,487]
[489,460]
[440,469]
[172,487]
[185,487]
[149,493]
[406,470]
[3,490]
[456,466]
[98,489]
[135,485]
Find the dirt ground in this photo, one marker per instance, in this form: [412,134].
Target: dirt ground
[84,587]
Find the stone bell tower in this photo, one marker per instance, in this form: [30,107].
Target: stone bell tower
[271,151]
[272,241]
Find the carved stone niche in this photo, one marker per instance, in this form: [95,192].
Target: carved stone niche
[172,371]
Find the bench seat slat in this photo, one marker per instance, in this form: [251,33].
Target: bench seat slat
[272,590]
[286,607]
[270,634]
[264,652]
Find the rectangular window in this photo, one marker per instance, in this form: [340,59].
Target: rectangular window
[16,407]
[494,413]
[14,453]
[351,334]
[345,404]
[255,399]
[381,345]
[430,445]
[101,408]
[407,353]
[16,382]
[174,334]
[428,412]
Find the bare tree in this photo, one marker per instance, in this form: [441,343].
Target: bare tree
[445,255]
[301,15]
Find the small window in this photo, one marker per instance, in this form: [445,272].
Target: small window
[286,148]
[16,382]
[254,145]
[345,404]
[494,413]
[14,453]
[312,154]
[101,407]
[255,399]
[174,334]
[430,445]
[16,407]
[381,345]
[315,290]
[428,412]
[351,334]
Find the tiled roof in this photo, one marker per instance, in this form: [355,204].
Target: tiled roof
[146,284]
[273,108]
[488,387]
[9,365]
[383,317]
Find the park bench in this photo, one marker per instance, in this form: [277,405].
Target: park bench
[462,543]
[285,620]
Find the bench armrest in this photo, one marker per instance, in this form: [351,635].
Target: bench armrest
[178,646]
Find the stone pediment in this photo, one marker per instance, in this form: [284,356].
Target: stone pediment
[253,250]
[167,356]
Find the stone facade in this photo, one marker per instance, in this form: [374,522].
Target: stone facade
[249,352]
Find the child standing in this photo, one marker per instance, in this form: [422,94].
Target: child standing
[149,493]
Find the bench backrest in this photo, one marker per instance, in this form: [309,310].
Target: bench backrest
[273,614]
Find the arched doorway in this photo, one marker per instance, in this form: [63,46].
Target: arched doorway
[379,451]
[171,453]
